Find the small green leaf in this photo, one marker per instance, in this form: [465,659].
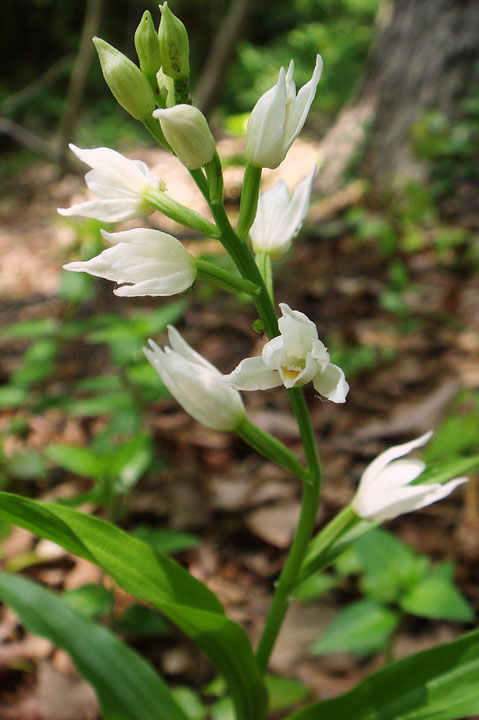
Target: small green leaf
[12,396]
[285,692]
[91,601]
[390,566]
[363,627]
[78,460]
[313,587]
[29,329]
[442,472]
[126,685]
[26,466]
[435,596]
[189,702]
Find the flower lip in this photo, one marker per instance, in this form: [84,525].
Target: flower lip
[293,358]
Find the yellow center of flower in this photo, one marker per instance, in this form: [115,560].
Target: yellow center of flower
[290,373]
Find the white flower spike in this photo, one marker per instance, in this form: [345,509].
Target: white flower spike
[294,358]
[385,491]
[278,117]
[195,384]
[152,261]
[118,183]
[280,216]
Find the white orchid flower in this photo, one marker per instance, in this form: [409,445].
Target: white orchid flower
[187,131]
[278,117]
[280,216]
[195,384]
[294,358]
[385,489]
[152,261]
[119,184]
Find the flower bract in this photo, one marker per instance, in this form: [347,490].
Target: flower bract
[385,490]
[118,183]
[150,262]
[293,358]
[195,383]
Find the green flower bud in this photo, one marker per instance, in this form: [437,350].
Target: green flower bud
[126,81]
[166,87]
[174,45]
[147,46]
[187,132]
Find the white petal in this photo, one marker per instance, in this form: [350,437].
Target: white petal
[161,286]
[182,348]
[105,210]
[266,126]
[399,473]
[252,374]
[390,454]
[115,169]
[98,266]
[197,389]
[332,384]
[413,497]
[302,104]
[267,232]
[297,330]
[272,351]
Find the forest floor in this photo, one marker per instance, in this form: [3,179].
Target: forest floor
[418,362]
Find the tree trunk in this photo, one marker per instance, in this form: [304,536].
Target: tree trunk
[423,59]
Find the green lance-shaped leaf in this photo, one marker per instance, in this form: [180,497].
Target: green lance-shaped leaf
[126,685]
[159,580]
[438,684]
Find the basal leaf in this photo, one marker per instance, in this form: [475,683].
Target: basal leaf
[126,684]
[156,578]
[437,684]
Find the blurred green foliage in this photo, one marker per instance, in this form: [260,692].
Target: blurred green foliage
[394,581]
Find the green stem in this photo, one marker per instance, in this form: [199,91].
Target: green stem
[180,213]
[201,182]
[309,507]
[214,175]
[263,261]
[249,200]
[154,128]
[224,279]
[320,547]
[247,267]
[271,448]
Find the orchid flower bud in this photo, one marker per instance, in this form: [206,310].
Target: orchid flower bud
[126,81]
[147,46]
[120,185]
[279,217]
[278,118]
[174,45]
[385,490]
[149,261]
[293,358]
[195,384]
[186,130]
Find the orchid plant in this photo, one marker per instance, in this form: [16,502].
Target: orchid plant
[439,683]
